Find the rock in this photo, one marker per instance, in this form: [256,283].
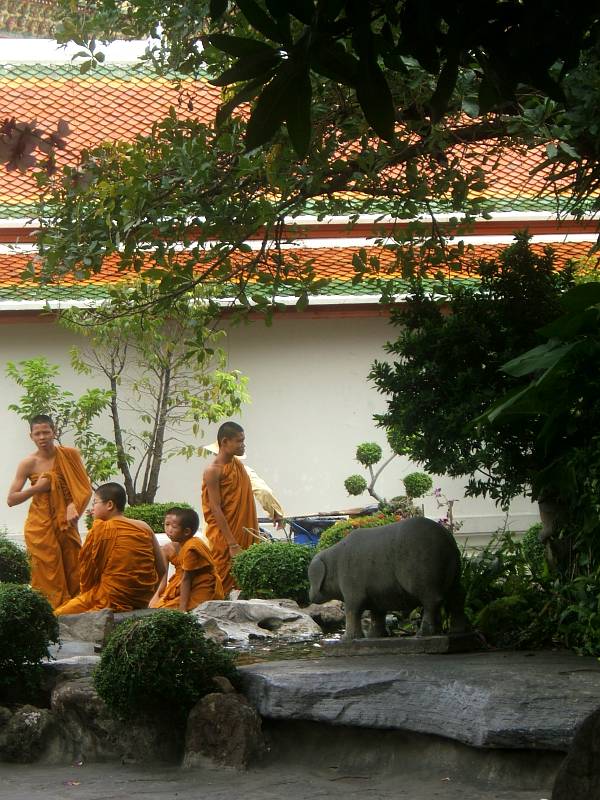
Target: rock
[224,684]
[125,616]
[579,775]
[330,616]
[91,733]
[67,669]
[245,620]
[92,626]
[27,734]
[223,730]
[491,700]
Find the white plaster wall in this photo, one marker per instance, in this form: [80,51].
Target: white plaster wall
[311,405]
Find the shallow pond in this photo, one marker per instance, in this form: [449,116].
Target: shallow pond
[282,651]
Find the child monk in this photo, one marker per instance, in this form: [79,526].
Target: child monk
[195,579]
[60,491]
[228,502]
[121,561]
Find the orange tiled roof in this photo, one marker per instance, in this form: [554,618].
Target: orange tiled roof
[110,103]
[331,263]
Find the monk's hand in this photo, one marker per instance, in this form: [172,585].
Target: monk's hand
[72,515]
[234,549]
[42,484]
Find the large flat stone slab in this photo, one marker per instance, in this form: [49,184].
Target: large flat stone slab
[405,645]
[495,700]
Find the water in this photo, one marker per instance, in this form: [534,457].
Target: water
[282,651]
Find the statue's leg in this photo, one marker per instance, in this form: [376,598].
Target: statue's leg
[353,622]
[455,605]
[431,624]
[377,628]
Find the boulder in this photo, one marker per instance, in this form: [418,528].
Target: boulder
[223,730]
[91,733]
[27,734]
[92,626]
[330,616]
[244,621]
[579,774]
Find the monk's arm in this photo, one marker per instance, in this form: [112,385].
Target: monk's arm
[16,493]
[212,478]
[161,566]
[186,588]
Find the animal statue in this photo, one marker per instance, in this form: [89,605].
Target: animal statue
[397,567]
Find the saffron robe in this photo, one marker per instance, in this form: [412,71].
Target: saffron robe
[237,502]
[117,568]
[193,556]
[53,544]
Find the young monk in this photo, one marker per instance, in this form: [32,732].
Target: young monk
[196,579]
[60,491]
[228,502]
[120,563]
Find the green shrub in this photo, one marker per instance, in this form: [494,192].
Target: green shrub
[417,484]
[151,513]
[274,569]
[342,528]
[27,627]
[14,563]
[533,549]
[368,453]
[355,485]
[159,666]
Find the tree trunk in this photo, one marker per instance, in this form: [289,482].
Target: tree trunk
[121,460]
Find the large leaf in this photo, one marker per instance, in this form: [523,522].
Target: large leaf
[239,46]
[333,61]
[243,96]
[261,21]
[543,357]
[271,108]
[375,99]
[248,68]
[571,325]
[581,296]
[443,91]
[298,117]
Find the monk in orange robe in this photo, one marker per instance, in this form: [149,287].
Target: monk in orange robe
[196,579]
[120,563]
[60,491]
[228,502]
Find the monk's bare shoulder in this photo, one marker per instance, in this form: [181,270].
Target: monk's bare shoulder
[28,465]
[139,523]
[212,474]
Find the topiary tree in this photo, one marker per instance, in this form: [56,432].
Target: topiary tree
[159,665]
[368,454]
[27,628]
[14,563]
[274,569]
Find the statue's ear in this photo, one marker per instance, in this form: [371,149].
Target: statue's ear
[319,572]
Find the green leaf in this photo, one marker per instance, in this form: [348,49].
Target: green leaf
[260,20]
[239,46]
[443,91]
[272,107]
[248,68]
[333,61]
[244,95]
[298,118]
[581,296]
[216,8]
[375,99]
[538,358]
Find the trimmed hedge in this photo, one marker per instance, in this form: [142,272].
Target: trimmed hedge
[14,563]
[159,666]
[151,513]
[27,628]
[271,570]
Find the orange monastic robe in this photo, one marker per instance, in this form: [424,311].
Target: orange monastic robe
[195,556]
[117,568]
[237,502]
[52,543]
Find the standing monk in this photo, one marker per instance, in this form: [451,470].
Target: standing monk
[60,491]
[228,502]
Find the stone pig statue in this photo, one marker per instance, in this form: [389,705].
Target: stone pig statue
[400,566]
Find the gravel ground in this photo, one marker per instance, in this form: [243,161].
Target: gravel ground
[116,782]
